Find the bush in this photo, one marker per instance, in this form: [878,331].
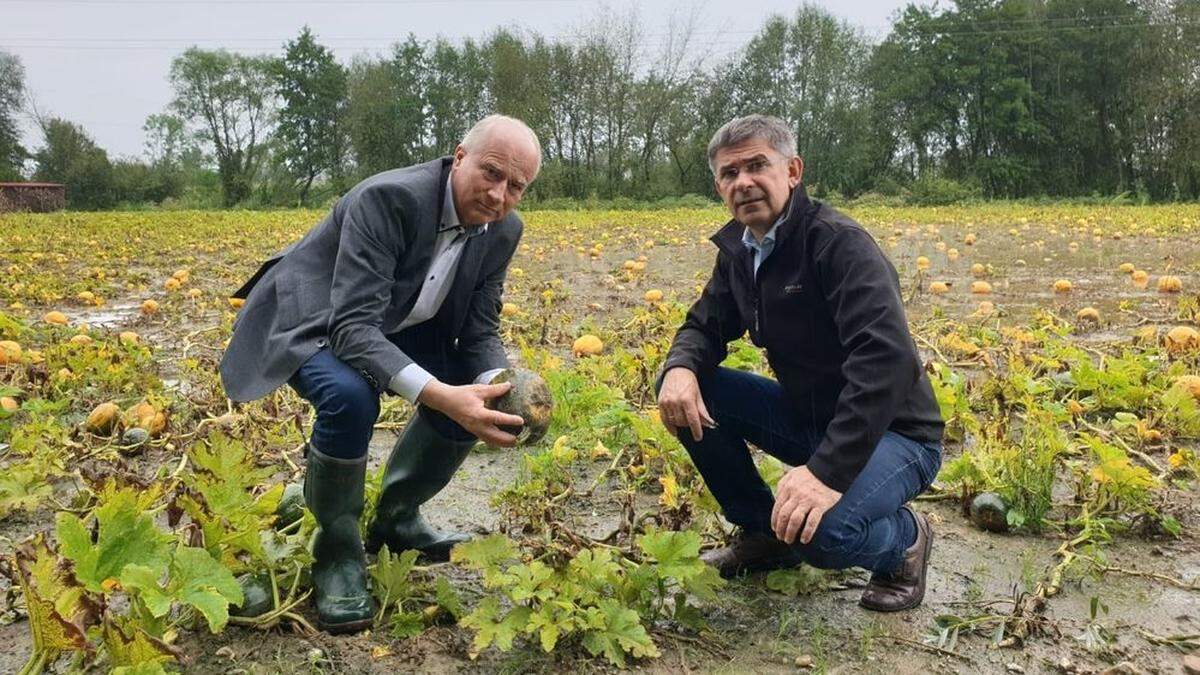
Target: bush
[935,191]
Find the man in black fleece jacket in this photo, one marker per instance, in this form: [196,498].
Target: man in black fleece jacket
[852,409]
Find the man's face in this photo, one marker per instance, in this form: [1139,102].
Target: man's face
[490,179]
[755,181]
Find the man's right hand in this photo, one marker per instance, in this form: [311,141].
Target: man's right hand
[465,405]
[680,404]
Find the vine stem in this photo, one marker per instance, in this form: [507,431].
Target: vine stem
[1178,583]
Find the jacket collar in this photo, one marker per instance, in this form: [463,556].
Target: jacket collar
[729,237]
[443,185]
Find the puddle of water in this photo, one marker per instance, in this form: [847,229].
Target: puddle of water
[109,316]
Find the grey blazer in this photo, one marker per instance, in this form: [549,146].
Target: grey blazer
[355,276]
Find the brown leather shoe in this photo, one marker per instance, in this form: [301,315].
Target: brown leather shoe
[751,552]
[904,588]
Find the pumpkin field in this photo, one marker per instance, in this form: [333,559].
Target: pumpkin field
[147,524]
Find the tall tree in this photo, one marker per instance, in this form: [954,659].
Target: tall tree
[811,70]
[385,114]
[312,87]
[71,157]
[12,87]
[229,99]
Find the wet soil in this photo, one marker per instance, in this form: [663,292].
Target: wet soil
[752,628]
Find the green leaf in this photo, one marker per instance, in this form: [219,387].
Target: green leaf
[59,609]
[202,582]
[704,582]
[227,510]
[23,486]
[796,581]
[491,629]
[278,548]
[675,552]
[126,536]
[407,624]
[531,582]
[145,582]
[390,576]
[130,647]
[448,598]
[595,565]
[687,615]
[487,553]
[618,631]
[196,579]
[140,669]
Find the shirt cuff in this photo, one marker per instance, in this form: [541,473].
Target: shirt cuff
[487,375]
[410,381]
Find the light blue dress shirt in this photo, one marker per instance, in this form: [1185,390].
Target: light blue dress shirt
[761,249]
[452,237]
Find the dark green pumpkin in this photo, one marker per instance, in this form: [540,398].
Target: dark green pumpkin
[291,505]
[257,598]
[529,398]
[134,437]
[989,512]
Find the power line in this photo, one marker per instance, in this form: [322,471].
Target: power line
[43,40]
[170,44]
[399,3]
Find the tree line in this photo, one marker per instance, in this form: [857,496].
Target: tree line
[983,98]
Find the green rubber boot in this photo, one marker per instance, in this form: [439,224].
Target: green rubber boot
[333,491]
[421,464]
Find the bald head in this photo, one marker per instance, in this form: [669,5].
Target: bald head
[495,163]
[506,130]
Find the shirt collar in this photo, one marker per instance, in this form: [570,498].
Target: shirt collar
[768,240]
[450,219]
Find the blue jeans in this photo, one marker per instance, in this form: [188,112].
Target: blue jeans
[347,406]
[866,528]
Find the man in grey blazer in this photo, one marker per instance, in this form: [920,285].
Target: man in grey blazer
[396,290]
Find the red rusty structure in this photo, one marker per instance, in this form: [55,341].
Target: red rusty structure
[33,197]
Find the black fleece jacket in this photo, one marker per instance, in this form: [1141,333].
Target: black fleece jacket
[827,308]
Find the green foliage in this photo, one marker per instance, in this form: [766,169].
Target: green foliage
[950,389]
[194,579]
[1018,463]
[12,90]
[222,500]
[24,485]
[1113,484]
[390,581]
[603,601]
[226,97]
[1179,412]
[803,580]
[71,157]
[312,85]
[931,191]
[126,535]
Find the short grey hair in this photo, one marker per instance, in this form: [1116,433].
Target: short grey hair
[484,127]
[738,130]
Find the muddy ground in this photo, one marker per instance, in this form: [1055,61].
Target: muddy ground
[752,628]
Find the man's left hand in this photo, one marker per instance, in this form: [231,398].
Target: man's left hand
[801,500]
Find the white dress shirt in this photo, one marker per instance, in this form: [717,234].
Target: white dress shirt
[452,237]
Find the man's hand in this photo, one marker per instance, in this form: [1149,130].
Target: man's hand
[680,404]
[465,405]
[800,500]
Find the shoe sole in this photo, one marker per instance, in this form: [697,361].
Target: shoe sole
[924,573]
[345,626]
[434,553]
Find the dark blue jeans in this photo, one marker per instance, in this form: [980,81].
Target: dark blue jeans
[866,528]
[347,406]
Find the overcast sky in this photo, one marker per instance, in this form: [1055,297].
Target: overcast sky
[104,63]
